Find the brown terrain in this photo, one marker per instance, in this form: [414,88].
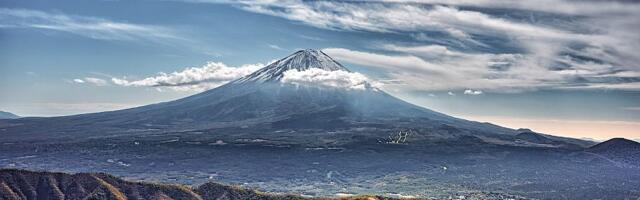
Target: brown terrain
[28,185]
[18,184]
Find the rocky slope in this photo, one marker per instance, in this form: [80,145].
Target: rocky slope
[27,185]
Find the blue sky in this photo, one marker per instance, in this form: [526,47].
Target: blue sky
[561,67]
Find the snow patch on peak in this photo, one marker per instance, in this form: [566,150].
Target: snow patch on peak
[326,78]
[301,61]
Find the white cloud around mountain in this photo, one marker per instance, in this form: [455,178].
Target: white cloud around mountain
[324,78]
[211,75]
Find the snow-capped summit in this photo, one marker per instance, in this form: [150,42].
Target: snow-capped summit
[300,60]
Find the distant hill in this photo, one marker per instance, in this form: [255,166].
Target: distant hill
[619,150]
[527,135]
[530,136]
[8,115]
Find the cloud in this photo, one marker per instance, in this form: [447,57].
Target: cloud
[212,74]
[311,38]
[91,27]
[320,77]
[551,6]
[472,92]
[398,17]
[527,45]
[435,68]
[96,81]
[91,80]
[404,62]
[276,47]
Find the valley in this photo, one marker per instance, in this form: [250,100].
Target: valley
[438,169]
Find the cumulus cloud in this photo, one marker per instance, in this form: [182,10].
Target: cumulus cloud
[212,74]
[472,92]
[324,78]
[91,27]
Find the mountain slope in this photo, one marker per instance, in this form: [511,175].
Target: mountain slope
[8,115]
[261,99]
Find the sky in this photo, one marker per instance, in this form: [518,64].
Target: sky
[568,68]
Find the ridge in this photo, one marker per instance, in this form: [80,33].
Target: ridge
[301,60]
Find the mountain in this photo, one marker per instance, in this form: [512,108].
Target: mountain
[265,102]
[301,61]
[294,127]
[618,150]
[8,115]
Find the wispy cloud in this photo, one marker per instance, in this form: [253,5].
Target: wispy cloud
[449,71]
[91,80]
[435,67]
[276,47]
[212,74]
[91,27]
[308,37]
[556,44]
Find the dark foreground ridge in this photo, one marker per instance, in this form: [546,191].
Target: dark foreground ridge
[21,184]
